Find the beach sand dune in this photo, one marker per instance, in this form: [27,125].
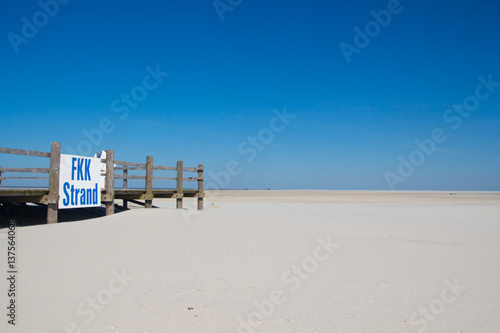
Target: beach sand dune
[267,261]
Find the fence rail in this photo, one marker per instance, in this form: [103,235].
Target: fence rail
[25,170]
[110,193]
[23,152]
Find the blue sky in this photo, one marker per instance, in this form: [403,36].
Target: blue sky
[354,121]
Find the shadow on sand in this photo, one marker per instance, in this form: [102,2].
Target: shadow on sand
[28,215]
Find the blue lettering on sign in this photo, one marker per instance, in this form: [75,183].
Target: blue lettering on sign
[80,196]
[73,168]
[87,169]
[66,194]
[81,163]
[80,169]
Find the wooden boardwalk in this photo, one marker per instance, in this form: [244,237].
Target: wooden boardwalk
[50,194]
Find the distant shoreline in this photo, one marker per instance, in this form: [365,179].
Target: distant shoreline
[373,191]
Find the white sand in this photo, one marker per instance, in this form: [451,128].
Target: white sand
[397,255]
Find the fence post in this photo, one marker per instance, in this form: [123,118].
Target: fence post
[110,182]
[125,184]
[200,186]
[53,203]
[180,175]
[149,182]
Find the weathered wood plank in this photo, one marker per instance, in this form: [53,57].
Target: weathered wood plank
[55,157]
[157,193]
[23,198]
[130,168]
[110,181]
[191,169]
[20,191]
[125,176]
[24,178]
[125,183]
[129,177]
[149,181]
[161,167]
[131,164]
[180,169]
[24,152]
[27,170]
[201,169]
[190,179]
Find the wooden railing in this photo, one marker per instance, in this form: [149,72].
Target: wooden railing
[52,198]
[108,195]
[114,165]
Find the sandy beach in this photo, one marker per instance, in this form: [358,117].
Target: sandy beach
[267,261]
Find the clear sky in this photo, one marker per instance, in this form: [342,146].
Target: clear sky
[360,81]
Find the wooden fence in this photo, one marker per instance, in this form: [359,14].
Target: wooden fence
[50,195]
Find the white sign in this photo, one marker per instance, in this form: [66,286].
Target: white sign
[79,182]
